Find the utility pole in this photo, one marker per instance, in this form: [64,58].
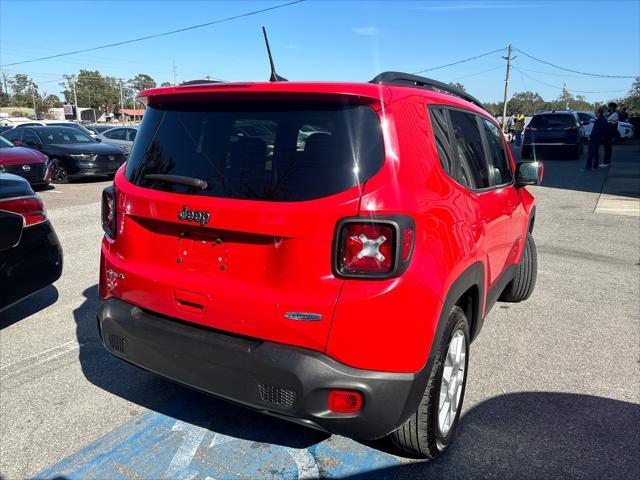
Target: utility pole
[174,72]
[75,98]
[121,103]
[565,95]
[506,89]
[4,78]
[33,95]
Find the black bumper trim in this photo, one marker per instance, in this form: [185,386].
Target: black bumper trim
[232,368]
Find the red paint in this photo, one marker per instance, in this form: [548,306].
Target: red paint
[20,156]
[276,257]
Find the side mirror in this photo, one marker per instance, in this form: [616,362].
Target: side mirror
[11,230]
[17,143]
[529,173]
[97,139]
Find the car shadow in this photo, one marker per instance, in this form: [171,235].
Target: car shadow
[563,173]
[160,395]
[28,306]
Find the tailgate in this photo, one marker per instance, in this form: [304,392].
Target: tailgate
[251,252]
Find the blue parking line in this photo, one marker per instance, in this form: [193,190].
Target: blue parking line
[185,442]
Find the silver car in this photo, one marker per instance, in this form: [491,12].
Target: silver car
[121,136]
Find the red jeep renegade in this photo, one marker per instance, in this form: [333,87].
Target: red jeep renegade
[322,252]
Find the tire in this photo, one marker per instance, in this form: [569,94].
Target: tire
[523,284]
[525,153]
[59,172]
[421,435]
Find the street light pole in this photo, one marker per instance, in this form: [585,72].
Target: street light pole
[121,104]
[33,94]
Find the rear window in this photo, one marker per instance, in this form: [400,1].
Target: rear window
[553,121]
[268,151]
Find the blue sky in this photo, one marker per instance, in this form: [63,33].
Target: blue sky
[332,40]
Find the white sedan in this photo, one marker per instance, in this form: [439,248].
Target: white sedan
[587,119]
[121,136]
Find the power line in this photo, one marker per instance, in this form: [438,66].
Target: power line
[562,88]
[476,73]
[573,71]
[193,27]
[459,62]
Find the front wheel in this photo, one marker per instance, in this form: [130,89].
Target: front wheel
[430,430]
[59,173]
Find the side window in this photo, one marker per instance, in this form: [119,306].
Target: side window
[499,167]
[131,134]
[30,138]
[12,135]
[115,134]
[443,142]
[468,150]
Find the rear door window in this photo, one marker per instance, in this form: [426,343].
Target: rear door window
[284,151]
[468,150]
[443,140]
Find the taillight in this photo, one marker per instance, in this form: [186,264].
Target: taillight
[109,211]
[30,208]
[345,401]
[379,247]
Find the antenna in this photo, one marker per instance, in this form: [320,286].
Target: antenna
[274,76]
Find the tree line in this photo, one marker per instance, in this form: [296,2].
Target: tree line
[93,90]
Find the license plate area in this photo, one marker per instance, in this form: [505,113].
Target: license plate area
[201,250]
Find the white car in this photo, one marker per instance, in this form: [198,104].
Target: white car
[587,119]
[121,136]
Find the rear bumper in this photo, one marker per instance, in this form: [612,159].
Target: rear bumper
[286,381]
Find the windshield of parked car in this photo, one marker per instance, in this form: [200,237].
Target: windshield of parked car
[553,120]
[77,126]
[4,143]
[286,151]
[63,135]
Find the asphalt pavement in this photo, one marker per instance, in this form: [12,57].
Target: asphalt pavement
[553,388]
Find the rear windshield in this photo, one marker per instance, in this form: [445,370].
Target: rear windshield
[271,151]
[553,121]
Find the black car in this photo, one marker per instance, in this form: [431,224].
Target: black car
[554,130]
[72,153]
[30,252]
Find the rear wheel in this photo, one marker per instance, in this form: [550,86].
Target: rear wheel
[523,284]
[429,431]
[59,173]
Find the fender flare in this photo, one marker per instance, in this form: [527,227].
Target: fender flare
[473,276]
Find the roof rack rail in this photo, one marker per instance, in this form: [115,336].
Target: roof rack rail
[409,80]
[199,82]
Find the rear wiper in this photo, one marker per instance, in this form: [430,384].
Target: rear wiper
[179,179]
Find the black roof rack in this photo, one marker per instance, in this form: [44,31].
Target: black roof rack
[409,80]
[199,82]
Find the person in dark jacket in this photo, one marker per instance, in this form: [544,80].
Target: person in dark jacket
[597,138]
[612,131]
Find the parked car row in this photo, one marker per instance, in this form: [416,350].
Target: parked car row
[61,153]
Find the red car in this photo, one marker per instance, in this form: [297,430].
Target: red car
[24,162]
[322,252]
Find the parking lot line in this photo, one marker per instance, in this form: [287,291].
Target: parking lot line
[159,445]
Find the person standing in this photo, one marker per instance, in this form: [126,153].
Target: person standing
[612,131]
[596,139]
[519,128]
